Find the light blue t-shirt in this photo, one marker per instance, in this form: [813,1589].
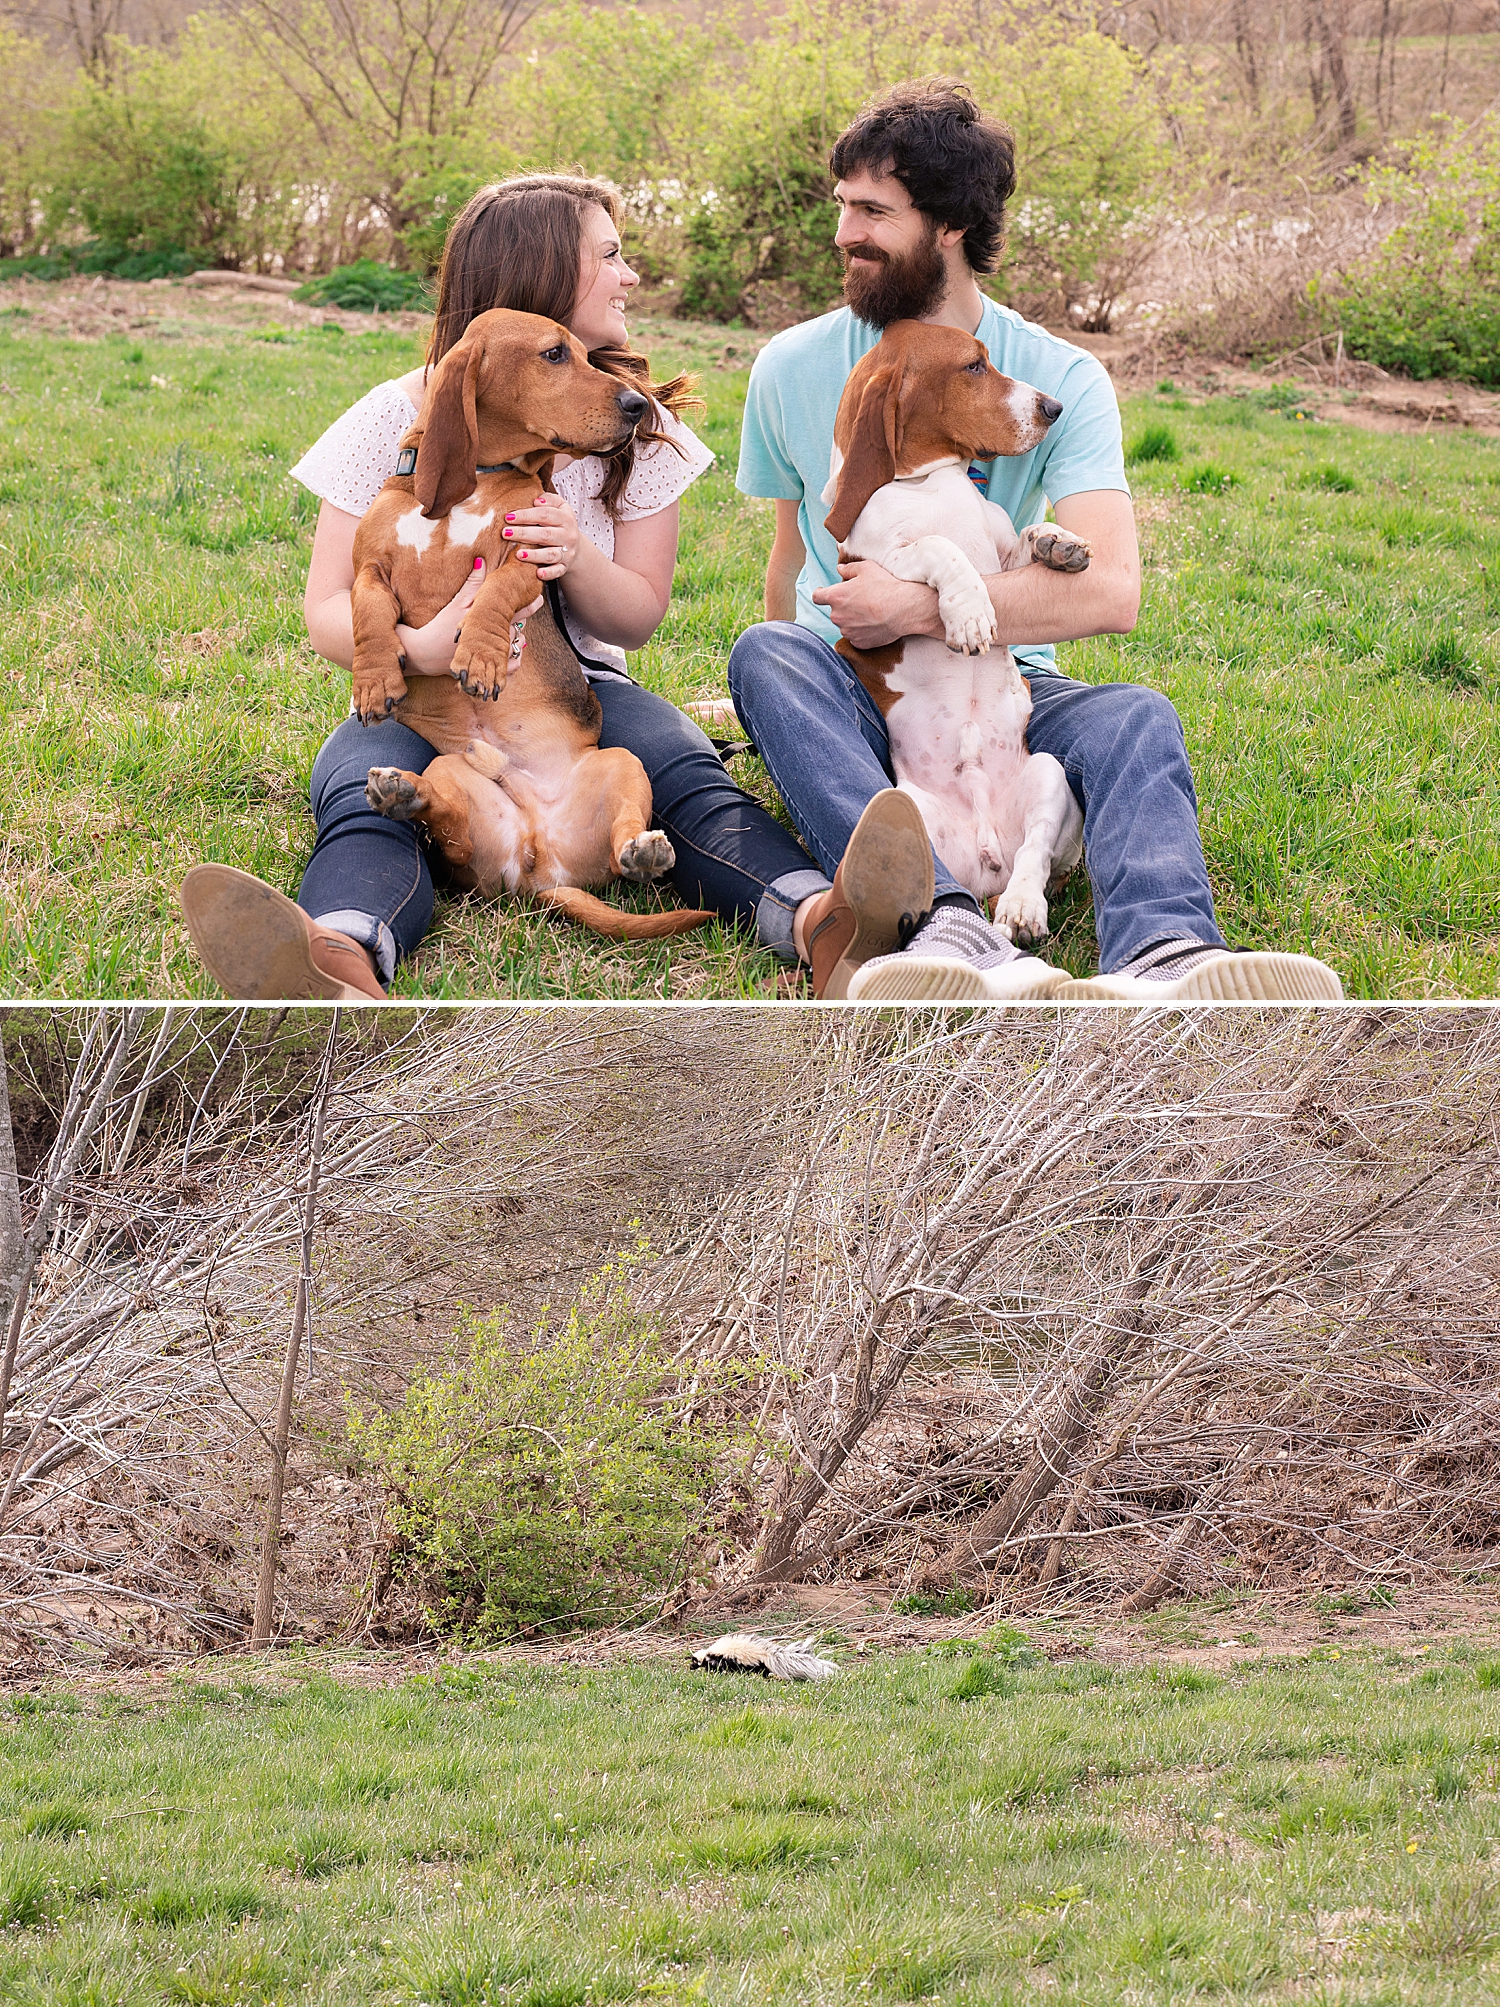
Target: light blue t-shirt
[787,439]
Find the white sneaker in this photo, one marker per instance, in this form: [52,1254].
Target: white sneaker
[1253,977]
[917,978]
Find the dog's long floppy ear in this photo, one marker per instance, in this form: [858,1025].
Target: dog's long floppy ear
[870,456]
[450,436]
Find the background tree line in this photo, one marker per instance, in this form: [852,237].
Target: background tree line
[303,135]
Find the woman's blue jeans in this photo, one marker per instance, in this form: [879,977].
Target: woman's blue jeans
[370,877]
[826,748]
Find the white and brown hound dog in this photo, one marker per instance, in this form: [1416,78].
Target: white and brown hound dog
[915,411]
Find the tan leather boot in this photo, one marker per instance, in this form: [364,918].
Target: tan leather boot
[257,943]
[881,892]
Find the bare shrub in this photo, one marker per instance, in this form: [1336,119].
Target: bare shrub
[487,1157]
[1125,1306]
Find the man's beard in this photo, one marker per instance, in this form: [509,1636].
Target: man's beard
[881,288]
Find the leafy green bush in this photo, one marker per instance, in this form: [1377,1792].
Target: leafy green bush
[1427,303]
[721,141]
[436,198]
[1092,159]
[367,287]
[556,1478]
[771,222]
[116,259]
[141,174]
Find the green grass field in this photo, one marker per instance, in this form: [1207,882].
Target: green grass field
[962,1824]
[1320,604]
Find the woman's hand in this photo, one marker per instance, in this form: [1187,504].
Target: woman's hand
[547,535]
[429,650]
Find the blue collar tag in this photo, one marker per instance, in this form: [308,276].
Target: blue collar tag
[979,474]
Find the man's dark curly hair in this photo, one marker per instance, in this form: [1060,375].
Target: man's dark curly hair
[958,166]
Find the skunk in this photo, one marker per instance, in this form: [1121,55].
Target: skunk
[738,1652]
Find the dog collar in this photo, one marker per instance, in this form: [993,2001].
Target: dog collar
[406,463]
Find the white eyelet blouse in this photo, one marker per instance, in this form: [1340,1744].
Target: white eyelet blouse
[348,466]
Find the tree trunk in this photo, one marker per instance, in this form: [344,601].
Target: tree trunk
[270,1552]
[976,1549]
[1331,37]
[1244,48]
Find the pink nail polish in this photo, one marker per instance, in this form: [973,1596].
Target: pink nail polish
[479,564]
[511,517]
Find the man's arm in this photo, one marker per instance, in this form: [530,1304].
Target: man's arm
[784,566]
[870,608]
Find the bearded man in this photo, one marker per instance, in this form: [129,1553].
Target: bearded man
[923,178]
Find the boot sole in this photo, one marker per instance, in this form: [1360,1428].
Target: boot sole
[948,979]
[1255,978]
[253,940]
[886,874]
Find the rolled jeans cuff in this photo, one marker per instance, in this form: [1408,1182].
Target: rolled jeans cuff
[370,933]
[777,908]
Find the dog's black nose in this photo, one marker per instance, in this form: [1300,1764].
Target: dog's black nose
[634,407]
[1048,409]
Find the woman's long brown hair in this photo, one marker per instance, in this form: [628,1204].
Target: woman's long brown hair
[519,243]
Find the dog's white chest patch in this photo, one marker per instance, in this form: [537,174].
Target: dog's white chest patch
[415,531]
[464,525]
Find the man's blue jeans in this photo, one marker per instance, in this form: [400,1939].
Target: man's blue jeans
[369,876]
[825,746]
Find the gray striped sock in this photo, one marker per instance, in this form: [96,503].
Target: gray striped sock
[961,932]
[1165,961]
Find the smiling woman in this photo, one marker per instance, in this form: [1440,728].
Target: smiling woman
[602,537]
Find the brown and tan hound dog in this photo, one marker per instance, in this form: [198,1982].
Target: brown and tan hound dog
[522,797]
[915,411]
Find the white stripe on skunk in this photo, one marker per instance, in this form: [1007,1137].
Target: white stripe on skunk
[739,1652]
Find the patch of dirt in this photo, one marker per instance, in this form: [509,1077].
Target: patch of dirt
[1422,1623]
[1347,393]
[88,309]
[1342,392]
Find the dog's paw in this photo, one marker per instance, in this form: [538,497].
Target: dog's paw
[392,792]
[480,673]
[377,691]
[1021,914]
[1059,550]
[646,856]
[968,620]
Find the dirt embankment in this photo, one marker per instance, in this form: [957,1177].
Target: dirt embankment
[1421,1623]
[1336,389]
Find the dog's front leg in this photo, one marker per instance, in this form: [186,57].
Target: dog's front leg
[964,605]
[379,684]
[481,661]
[1051,843]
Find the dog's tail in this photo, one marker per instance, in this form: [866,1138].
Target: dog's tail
[606,919]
